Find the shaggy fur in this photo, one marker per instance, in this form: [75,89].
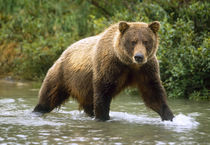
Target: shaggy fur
[95,69]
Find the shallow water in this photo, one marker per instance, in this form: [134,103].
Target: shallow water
[131,122]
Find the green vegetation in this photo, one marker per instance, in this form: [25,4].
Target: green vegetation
[33,34]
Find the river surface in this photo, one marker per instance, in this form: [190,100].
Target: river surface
[131,122]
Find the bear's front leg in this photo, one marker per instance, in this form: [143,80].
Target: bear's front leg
[152,91]
[102,98]
[154,97]
[106,84]
[102,107]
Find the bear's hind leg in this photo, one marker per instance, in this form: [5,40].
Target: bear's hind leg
[51,97]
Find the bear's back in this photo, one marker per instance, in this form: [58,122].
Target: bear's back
[76,63]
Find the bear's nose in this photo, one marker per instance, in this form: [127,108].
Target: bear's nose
[139,57]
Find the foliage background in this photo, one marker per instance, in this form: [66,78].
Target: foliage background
[33,34]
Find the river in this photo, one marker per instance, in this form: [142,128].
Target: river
[131,122]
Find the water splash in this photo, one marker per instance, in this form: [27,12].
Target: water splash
[26,118]
[5,101]
[77,115]
[17,113]
[180,123]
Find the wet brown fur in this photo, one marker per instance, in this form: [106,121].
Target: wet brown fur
[95,69]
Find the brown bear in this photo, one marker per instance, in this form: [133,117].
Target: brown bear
[95,69]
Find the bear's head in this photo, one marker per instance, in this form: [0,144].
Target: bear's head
[137,42]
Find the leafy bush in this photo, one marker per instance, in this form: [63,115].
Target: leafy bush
[33,34]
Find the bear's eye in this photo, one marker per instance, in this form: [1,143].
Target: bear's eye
[134,42]
[145,42]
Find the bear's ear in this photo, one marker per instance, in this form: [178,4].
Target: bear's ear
[154,26]
[123,26]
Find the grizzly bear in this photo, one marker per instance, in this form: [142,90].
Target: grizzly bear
[95,69]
